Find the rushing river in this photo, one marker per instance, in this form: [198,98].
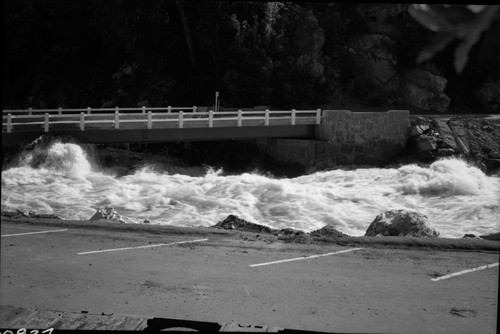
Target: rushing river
[61,179]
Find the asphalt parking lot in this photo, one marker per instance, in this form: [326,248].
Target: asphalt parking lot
[219,278]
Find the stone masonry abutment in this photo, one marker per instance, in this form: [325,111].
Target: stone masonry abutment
[345,137]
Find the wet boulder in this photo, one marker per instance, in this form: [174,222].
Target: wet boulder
[107,213]
[232,222]
[328,231]
[403,223]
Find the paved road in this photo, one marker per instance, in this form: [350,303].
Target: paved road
[364,290]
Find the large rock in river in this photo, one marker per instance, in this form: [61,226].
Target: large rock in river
[401,223]
[107,213]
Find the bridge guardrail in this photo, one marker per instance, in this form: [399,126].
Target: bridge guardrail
[89,110]
[146,118]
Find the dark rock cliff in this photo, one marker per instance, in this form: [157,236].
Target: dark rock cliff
[285,55]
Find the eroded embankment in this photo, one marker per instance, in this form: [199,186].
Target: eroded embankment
[291,241]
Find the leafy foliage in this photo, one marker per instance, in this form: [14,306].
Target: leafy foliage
[466,23]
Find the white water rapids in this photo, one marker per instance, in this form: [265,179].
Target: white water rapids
[456,198]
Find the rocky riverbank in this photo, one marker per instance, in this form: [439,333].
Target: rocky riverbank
[394,223]
[477,140]
[325,237]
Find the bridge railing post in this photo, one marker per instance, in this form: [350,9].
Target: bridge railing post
[143,109]
[195,108]
[89,110]
[292,122]
[240,114]
[169,109]
[30,111]
[210,118]
[82,121]
[266,122]
[318,116]
[150,119]
[46,122]
[9,122]
[60,111]
[117,118]
[181,119]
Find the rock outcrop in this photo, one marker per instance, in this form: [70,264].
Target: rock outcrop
[401,223]
[432,138]
[309,40]
[489,96]
[382,18]
[425,91]
[375,57]
[232,222]
[482,138]
[107,213]
[457,127]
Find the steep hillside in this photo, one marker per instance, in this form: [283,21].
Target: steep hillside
[68,53]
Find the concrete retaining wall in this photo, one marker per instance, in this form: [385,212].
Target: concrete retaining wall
[359,138]
[344,138]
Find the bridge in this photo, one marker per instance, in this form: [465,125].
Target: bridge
[305,137]
[156,124]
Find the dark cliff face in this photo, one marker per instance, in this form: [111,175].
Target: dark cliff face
[68,53]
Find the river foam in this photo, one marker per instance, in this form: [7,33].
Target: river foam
[60,179]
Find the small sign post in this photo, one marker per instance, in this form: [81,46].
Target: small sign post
[216,106]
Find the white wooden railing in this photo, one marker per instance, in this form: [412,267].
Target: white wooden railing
[149,118]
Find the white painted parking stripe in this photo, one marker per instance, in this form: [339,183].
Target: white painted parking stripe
[28,233]
[465,272]
[305,257]
[138,247]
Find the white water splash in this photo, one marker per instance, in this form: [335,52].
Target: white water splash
[456,198]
